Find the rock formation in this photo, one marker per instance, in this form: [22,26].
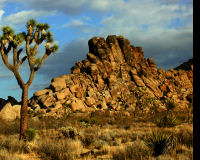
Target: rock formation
[9,112]
[10,99]
[116,76]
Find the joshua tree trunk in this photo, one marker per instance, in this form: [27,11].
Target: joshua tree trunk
[37,32]
[24,113]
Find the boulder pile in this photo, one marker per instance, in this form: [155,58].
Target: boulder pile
[9,109]
[114,76]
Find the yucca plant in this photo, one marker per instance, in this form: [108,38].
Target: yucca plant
[160,142]
[170,104]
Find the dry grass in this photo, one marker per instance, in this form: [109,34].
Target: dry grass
[136,150]
[102,136]
[59,149]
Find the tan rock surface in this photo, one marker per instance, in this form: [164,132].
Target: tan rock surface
[113,76]
[9,112]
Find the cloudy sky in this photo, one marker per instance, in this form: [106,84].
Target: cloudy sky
[164,28]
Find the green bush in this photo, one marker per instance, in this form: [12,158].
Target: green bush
[70,132]
[160,142]
[85,120]
[89,121]
[93,121]
[168,120]
[31,133]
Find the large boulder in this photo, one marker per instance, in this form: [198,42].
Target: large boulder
[41,92]
[9,112]
[78,105]
[58,83]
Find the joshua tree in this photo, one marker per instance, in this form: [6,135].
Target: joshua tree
[36,34]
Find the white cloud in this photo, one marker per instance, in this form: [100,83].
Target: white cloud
[102,5]
[78,25]
[22,16]
[69,7]
[145,23]
[74,23]
[6,75]
[1,14]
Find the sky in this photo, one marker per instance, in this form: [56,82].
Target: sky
[164,29]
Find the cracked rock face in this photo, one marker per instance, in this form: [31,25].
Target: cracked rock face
[115,75]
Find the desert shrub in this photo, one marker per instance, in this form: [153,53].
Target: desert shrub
[88,139]
[106,149]
[185,136]
[9,128]
[99,143]
[136,150]
[170,104]
[86,120]
[93,120]
[160,142]
[70,132]
[6,155]
[110,137]
[11,144]
[168,120]
[31,133]
[59,149]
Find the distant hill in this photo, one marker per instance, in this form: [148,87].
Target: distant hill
[186,65]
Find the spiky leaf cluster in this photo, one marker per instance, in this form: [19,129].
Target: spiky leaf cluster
[49,37]
[18,39]
[8,34]
[37,33]
[42,26]
[31,23]
[159,142]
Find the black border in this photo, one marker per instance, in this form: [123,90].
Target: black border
[196,84]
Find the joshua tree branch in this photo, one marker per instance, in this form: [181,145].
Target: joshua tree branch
[6,51]
[27,45]
[14,56]
[31,77]
[21,61]
[35,49]
[35,36]
[18,77]
[41,62]
[5,59]
[18,54]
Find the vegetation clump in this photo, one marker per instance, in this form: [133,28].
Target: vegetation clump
[167,121]
[70,132]
[160,142]
[31,134]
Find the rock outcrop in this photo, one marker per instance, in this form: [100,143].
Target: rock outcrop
[9,112]
[115,75]
[10,99]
